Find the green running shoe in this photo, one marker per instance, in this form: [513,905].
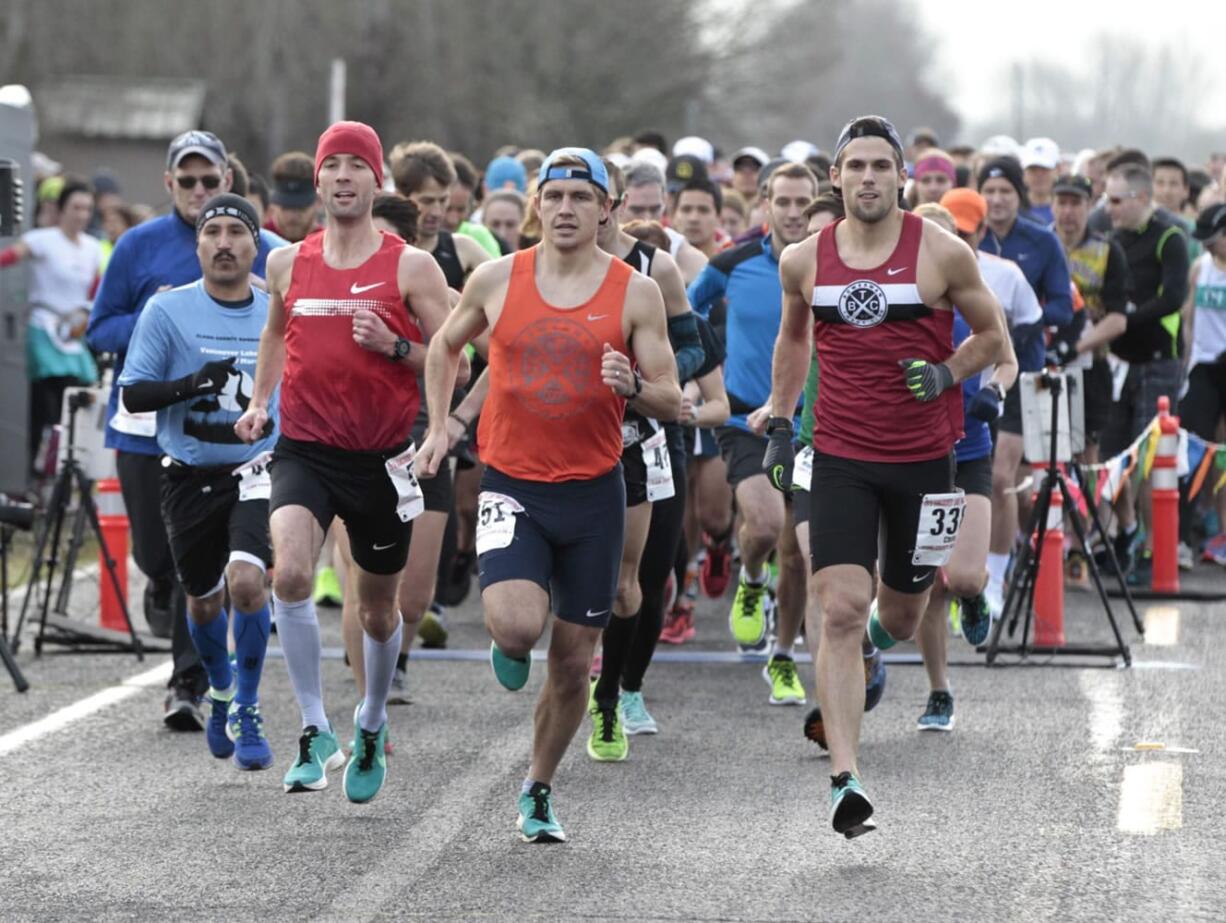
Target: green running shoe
[876,631]
[367,767]
[512,672]
[850,809]
[318,751]
[608,742]
[328,588]
[537,823]
[786,689]
[748,617]
[635,717]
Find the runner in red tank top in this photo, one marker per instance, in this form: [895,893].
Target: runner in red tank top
[563,318]
[340,338]
[876,290]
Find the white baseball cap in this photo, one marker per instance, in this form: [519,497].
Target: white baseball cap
[652,156]
[1041,152]
[799,151]
[695,147]
[1001,146]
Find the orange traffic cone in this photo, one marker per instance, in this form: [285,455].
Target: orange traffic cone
[1049,582]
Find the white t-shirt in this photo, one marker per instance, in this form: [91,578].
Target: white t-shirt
[1209,319]
[1008,283]
[62,272]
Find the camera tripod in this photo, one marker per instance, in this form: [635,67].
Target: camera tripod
[54,625]
[1020,595]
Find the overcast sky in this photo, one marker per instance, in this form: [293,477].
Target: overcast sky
[977,42]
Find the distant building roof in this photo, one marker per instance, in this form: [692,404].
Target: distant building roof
[118,107]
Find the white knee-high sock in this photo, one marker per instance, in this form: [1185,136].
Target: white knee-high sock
[380,668]
[298,631]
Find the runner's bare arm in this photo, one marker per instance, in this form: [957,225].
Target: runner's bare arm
[661,394]
[964,286]
[270,362]
[690,260]
[465,322]
[471,253]
[794,343]
[460,420]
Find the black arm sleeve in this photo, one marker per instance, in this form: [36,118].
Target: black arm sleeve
[1173,254]
[686,343]
[144,396]
[1116,283]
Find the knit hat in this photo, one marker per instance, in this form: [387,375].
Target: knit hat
[356,138]
[1005,168]
[229,205]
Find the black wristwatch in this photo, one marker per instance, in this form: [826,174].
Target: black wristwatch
[638,384]
[401,349]
[998,388]
[781,423]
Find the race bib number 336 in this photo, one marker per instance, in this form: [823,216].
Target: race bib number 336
[939,521]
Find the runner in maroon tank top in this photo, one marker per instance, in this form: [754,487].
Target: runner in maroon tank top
[347,311]
[875,292]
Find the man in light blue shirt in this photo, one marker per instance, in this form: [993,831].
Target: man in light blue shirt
[192,361]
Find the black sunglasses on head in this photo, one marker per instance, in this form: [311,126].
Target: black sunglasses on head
[189,182]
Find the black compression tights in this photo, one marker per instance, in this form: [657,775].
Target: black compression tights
[629,643]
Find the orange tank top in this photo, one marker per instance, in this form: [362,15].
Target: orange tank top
[548,416]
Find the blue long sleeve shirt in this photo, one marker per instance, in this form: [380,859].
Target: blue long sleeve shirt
[159,252]
[1038,252]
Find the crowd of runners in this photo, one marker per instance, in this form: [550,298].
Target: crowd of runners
[596,385]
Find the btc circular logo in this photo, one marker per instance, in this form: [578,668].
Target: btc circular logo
[558,368]
[863,304]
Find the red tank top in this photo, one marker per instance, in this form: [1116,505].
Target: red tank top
[548,416]
[865,321]
[333,391]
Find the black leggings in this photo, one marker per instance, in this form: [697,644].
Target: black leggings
[629,643]
[46,399]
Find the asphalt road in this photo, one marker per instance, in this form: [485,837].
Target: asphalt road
[1038,806]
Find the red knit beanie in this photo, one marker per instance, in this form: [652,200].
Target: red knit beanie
[356,138]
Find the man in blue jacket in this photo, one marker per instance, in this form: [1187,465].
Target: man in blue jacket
[747,278]
[152,257]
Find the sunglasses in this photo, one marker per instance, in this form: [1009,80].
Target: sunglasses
[189,182]
[1120,200]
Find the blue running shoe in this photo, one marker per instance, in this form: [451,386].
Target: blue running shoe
[537,822]
[874,680]
[251,749]
[635,717]
[512,672]
[318,752]
[850,809]
[975,616]
[367,766]
[220,744]
[939,715]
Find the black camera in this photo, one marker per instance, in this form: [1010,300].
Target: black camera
[17,515]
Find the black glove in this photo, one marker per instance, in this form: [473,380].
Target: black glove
[926,380]
[211,377]
[779,457]
[988,403]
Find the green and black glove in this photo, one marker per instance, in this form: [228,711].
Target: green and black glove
[926,380]
[779,457]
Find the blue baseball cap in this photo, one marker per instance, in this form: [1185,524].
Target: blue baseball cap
[506,171]
[593,170]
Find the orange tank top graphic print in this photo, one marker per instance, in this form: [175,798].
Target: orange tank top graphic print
[549,416]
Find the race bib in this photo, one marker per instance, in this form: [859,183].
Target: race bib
[939,521]
[659,467]
[254,480]
[495,521]
[409,501]
[802,471]
[135,424]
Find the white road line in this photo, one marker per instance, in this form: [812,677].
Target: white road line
[58,720]
[1151,798]
[1162,626]
[1106,717]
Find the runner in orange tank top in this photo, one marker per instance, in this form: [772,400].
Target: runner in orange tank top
[564,319]
[340,332]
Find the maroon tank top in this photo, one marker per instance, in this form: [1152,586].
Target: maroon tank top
[865,322]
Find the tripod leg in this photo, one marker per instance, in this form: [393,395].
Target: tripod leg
[55,517]
[1080,530]
[87,504]
[11,665]
[70,559]
[1127,593]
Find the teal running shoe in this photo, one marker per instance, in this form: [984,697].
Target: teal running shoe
[318,751]
[850,809]
[876,631]
[251,749]
[220,744]
[367,767]
[939,715]
[635,717]
[537,822]
[975,616]
[512,672]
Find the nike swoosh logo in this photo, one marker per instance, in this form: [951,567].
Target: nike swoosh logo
[918,579]
[1022,256]
[597,316]
[894,272]
[384,547]
[595,615]
[356,289]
